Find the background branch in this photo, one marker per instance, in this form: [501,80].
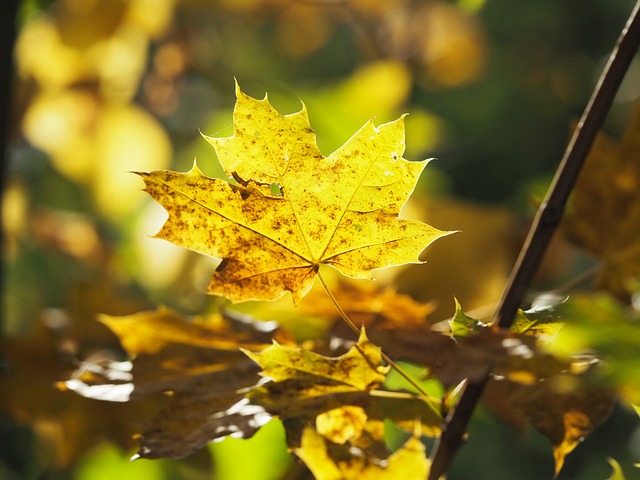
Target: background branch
[543,227]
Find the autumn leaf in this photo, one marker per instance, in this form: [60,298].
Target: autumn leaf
[471,352]
[604,212]
[372,305]
[197,361]
[304,383]
[326,463]
[330,393]
[564,410]
[342,423]
[63,425]
[462,324]
[338,398]
[292,209]
[358,369]
[367,304]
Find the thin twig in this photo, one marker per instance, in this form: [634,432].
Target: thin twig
[543,227]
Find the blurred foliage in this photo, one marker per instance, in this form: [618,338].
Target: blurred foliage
[103,87]
[606,223]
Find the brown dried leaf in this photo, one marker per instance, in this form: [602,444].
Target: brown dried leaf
[201,365]
[451,360]
[337,397]
[564,411]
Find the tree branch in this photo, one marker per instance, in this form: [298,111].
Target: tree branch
[543,227]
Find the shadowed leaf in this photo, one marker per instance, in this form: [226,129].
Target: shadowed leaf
[368,305]
[462,324]
[359,369]
[336,396]
[198,362]
[470,354]
[564,411]
[304,384]
[604,213]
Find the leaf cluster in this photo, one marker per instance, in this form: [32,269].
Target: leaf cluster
[284,213]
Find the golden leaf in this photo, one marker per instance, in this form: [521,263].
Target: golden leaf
[294,209]
[368,305]
[359,369]
[341,424]
[407,462]
[337,396]
[304,383]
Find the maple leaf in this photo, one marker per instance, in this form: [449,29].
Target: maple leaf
[328,463]
[198,361]
[293,209]
[367,304]
[564,410]
[338,398]
[462,324]
[358,369]
[304,383]
[604,212]
[469,350]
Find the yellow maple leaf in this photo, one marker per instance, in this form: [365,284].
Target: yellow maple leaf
[407,462]
[339,396]
[292,208]
[360,368]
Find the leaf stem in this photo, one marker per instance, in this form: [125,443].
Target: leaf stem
[543,227]
[386,358]
[342,313]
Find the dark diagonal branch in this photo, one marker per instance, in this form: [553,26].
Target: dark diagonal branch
[543,227]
